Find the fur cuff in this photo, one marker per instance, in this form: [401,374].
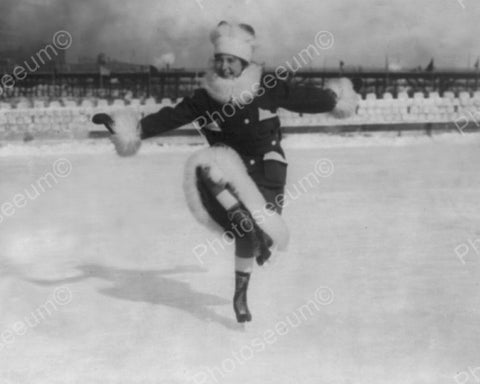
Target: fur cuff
[127,134]
[226,161]
[347,98]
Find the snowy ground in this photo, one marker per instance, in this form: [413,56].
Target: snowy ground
[99,282]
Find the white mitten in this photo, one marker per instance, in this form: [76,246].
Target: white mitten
[347,98]
[125,129]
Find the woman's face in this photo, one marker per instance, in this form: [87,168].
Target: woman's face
[228,66]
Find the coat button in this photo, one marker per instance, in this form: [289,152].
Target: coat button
[274,142]
[252,162]
[246,121]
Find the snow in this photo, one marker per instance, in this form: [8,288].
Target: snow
[191,143]
[105,255]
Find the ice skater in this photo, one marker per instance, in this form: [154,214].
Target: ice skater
[236,184]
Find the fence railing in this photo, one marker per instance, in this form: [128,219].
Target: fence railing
[177,84]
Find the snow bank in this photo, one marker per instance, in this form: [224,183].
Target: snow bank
[291,141]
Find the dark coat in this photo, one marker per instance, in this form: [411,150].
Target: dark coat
[245,128]
[252,129]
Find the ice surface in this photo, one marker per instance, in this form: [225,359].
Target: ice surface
[111,246]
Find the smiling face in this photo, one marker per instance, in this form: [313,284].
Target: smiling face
[228,66]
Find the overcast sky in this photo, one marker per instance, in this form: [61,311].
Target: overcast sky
[409,31]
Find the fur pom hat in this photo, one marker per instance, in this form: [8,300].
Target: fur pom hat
[234,39]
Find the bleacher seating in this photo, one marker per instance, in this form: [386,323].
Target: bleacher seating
[66,115]
[102,103]
[135,103]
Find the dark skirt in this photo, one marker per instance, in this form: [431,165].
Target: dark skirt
[270,178]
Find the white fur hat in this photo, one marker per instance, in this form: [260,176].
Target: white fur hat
[234,39]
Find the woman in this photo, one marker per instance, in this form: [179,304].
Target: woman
[237,183]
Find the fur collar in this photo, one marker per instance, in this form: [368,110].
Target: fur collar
[240,90]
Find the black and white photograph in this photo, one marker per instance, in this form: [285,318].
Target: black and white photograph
[239,192]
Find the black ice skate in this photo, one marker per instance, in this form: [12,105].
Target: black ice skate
[265,242]
[240,298]
[260,240]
